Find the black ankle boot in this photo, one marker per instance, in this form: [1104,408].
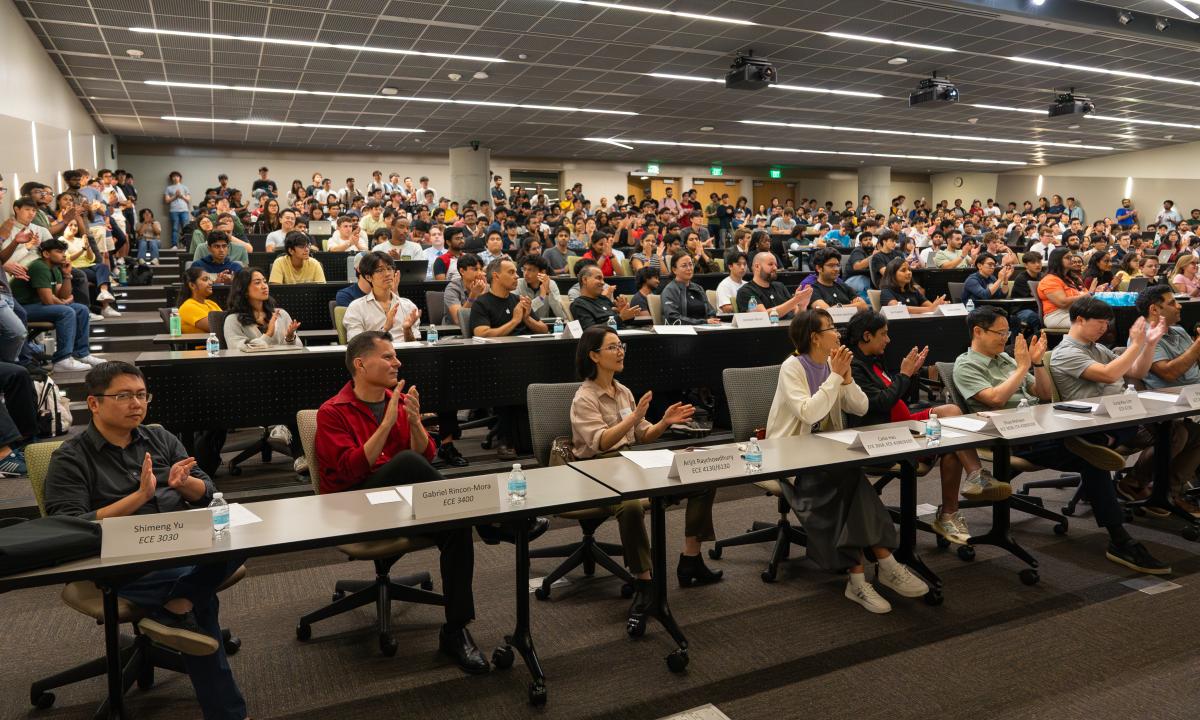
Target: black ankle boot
[692,571]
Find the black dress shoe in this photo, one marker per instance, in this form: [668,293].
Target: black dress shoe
[458,644]
[692,571]
[643,597]
[496,533]
[451,455]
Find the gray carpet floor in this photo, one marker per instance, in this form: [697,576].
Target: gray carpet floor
[1078,645]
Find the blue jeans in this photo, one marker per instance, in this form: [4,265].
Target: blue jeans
[178,220]
[71,326]
[148,249]
[859,284]
[212,679]
[12,329]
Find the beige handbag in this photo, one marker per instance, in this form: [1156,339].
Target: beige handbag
[560,451]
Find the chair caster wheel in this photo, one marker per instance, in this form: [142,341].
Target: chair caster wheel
[388,645]
[966,553]
[1029,576]
[502,657]
[768,575]
[232,645]
[1068,510]
[942,542]
[1060,528]
[714,553]
[677,661]
[626,591]
[42,701]
[1191,533]
[338,595]
[537,694]
[235,470]
[635,627]
[541,593]
[934,598]
[303,632]
[426,584]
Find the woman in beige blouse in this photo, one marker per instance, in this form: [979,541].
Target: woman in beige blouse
[605,419]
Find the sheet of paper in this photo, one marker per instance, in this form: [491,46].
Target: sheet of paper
[964,423]
[926,509]
[382,496]
[326,348]
[239,515]
[405,493]
[623,333]
[535,583]
[1160,397]
[951,434]
[647,459]
[842,436]
[1076,417]
[1150,586]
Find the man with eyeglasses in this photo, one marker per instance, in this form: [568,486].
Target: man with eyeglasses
[118,467]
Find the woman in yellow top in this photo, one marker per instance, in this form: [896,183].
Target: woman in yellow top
[83,257]
[194,305]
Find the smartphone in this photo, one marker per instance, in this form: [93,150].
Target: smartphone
[1071,407]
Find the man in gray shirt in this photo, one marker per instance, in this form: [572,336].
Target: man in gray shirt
[535,284]
[1083,368]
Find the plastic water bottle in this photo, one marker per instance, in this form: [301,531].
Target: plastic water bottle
[612,322]
[212,345]
[933,430]
[431,335]
[122,274]
[558,326]
[1023,405]
[220,514]
[516,484]
[176,323]
[774,317]
[753,455]
[1130,389]
[970,305]
[752,305]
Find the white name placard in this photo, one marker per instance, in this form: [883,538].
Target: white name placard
[952,310]
[674,329]
[457,495]
[1015,425]
[884,442]
[1119,407]
[164,532]
[842,314]
[895,312]
[697,466]
[1189,396]
[751,320]
[572,330]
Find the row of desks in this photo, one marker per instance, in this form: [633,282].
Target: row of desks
[319,521]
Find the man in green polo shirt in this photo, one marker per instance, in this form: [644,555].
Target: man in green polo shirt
[991,379]
[46,298]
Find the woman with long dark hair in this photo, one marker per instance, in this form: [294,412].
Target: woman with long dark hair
[253,318]
[1058,289]
[1098,277]
[268,219]
[896,287]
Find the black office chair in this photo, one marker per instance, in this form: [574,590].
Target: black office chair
[260,446]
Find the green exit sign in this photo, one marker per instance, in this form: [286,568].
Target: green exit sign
[652,168]
[716,171]
[776,173]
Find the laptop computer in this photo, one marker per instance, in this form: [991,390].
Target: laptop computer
[412,271]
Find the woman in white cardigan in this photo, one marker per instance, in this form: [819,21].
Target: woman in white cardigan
[840,512]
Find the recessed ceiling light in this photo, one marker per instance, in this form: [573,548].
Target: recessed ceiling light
[1077,141]
[897,61]
[315,44]
[454,76]
[1168,137]
[134,53]
[1073,127]
[389,91]
[707,128]
[972,121]
[1183,9]
[806,151]
[658,11]
[798,88]
[280,123]
[644,177]
[522,56]
[1104,71]
[937,136]
[480,75]
[403,98]
[885,41]
[1110,118]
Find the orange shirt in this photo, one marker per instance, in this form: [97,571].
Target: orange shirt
[1052,283]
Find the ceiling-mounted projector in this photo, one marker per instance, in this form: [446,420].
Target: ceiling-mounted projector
[750,73]
[933,89]
[1069,103]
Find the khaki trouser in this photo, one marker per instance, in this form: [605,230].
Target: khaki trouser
[636,542]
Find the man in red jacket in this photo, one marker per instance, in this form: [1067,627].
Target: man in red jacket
[370,435]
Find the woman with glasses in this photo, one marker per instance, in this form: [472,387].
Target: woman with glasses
[683,301]
[605,419]
[840,511]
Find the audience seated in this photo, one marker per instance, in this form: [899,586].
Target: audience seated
[683,301]
[287,223]
[44,296]
[1061,287]
[253,318]
[465,288]
[647,280]
[348,237]
[381,309]
[735,264]
[542,291]
[770,295]
[195,301]
[296,265]
[596,305]
[217,263]
[83,258]
[896,287]
[238,249]
[828,290]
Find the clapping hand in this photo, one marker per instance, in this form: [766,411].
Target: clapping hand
[147,483]
[643,405]
[413,318]
[1021,353]
[478,287]
[913,361]
[803,295]
[839,363]
[608,290]
[180,472]
[271,323]
[390,319]
[412,406]
[678,413]
[293,326]
[939,301]
[1156,332]
[392,409]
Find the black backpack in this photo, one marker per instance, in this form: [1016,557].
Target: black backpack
[31,544]
[140,275]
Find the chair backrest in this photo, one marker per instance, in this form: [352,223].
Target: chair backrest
[626,268]
[875,296]
[712,299]
[37,459]
[435,306]
[165,315]
[1054,394]
[571,260]
[464,322]
[946,373]
[306,423]
[749,392]
[1033,284]
[719,264]
[338,313]
[552,416]
[955,289]
[1138,284]
[655,308]
[216,324]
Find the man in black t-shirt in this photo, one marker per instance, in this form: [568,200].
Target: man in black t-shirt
[885,252]
[828,291]
[595,304]
[264,186]
[500,311]
[769,293]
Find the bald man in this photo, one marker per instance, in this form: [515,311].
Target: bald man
[768,292]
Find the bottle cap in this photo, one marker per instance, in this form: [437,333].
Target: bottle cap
[218,496]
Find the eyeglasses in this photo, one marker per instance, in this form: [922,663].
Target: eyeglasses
[1003,332]
[620,347]
[125,397]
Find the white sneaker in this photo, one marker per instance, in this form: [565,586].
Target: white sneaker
[70,365]
[280,434]
[300,465]
[864,594]
[110,311]
[154,261]
[900,579]
[951,526]
[92,360]
[105,296]
[95,317]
